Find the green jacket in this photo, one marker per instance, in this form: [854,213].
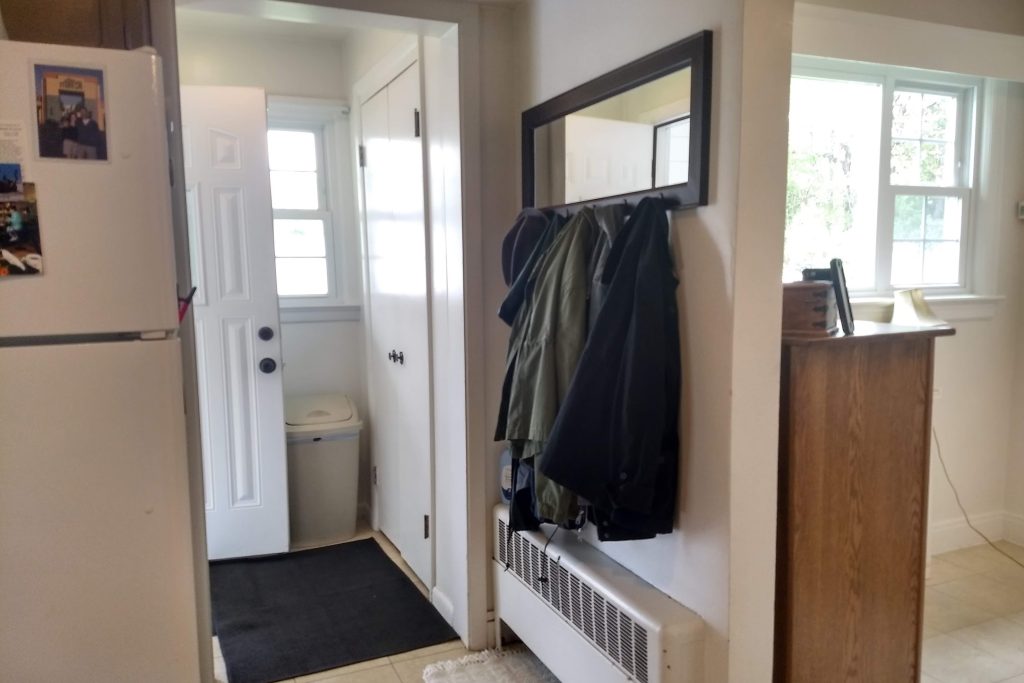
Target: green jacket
[548,336]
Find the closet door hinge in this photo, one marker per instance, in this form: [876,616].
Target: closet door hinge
[362,156]
[373,475]
[416,122]
[426,526]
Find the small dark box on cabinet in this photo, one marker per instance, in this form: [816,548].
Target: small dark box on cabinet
[809,309]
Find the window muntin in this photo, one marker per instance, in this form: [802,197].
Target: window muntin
[917,206]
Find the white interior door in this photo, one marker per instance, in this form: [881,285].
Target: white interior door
[399,319]
[240,391]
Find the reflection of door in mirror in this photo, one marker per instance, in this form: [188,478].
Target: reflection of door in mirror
[604,157]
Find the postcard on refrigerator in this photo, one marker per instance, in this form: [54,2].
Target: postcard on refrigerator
[21,251]
[72,112]
[11,182]
[12,141]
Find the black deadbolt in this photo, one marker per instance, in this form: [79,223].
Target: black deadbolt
[268,365]
[265,333]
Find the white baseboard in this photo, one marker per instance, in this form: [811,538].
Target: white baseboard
[1013,529]
[443,604]
[953,534]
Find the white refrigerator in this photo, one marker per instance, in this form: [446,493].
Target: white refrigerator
[96,574]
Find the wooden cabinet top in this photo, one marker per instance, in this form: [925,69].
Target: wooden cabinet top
[866,331]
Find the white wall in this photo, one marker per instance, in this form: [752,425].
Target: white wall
[720,560]
[364,49]
[988,15]
[974,371]
[328,357]
[283,65]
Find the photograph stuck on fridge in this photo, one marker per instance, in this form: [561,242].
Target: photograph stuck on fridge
[11,185]
[72,112]
[21,250]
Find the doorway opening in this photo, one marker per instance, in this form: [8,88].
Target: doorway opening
[309,187]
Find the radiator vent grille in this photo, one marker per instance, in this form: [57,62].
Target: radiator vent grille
[600,622]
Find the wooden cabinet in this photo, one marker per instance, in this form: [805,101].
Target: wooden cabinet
[122,24]
[855,430]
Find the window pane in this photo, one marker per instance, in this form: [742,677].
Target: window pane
[906,263]
[909,211]
[906,162]
[938,117]
[301,276]
[299,237]
[937,160]
[906,114]
[924,134]
[941,263]
[832,188]
[294,190]
[291,150]
[672,153]
[927,246]
[942,218]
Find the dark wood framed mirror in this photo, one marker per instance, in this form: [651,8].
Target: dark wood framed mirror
[641,130]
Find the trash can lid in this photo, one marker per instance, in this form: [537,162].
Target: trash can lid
[318,409]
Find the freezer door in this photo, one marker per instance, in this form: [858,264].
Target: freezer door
[96,575]
[105,226]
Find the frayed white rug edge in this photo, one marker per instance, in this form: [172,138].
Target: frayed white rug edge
[512,663]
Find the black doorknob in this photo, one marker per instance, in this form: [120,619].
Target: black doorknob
[400,357]
[268,365]
[392,356]
[265,333]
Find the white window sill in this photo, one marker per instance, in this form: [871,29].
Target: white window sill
[320,314]
[951,307]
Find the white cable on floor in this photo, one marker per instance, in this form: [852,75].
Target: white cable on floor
[956,495]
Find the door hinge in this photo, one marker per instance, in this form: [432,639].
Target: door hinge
[416,122]
[373,475]
[426,526]
[362,156]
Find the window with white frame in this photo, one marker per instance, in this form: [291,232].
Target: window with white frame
[303,225]
[880,175]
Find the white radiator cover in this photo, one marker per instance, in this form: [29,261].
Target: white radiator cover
[592,620]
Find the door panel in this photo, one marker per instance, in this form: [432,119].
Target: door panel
[96,575]
[399,315]
[241,407]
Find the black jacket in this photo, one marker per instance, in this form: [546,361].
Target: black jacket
[615,441]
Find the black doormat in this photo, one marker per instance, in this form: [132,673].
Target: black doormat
[294,614]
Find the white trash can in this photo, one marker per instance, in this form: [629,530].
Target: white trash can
[322,431]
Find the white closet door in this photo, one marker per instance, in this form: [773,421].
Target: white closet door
[399,315]
[240,390]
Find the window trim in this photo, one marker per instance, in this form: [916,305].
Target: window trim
[970,91]
[322,118]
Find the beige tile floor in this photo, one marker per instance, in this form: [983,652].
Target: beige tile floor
[974,617]
[404,668]
[973,625]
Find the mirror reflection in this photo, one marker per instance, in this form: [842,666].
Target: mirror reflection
[636,140]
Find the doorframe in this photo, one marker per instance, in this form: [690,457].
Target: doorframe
[469,592]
